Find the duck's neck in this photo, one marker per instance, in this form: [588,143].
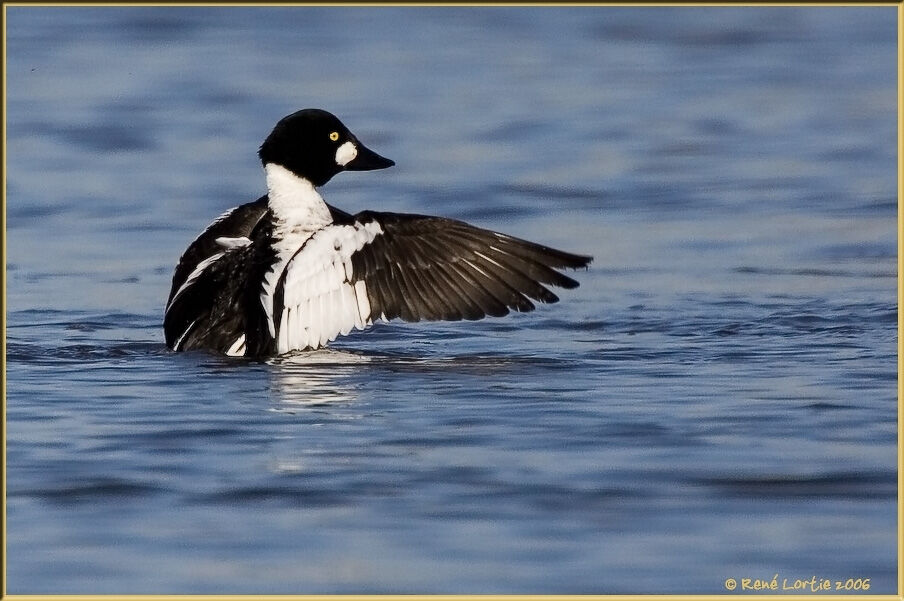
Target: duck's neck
[294,201]
[298,212]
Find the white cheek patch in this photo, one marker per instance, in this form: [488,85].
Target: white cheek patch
[345,154]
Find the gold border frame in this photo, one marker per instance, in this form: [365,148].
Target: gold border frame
[677,597]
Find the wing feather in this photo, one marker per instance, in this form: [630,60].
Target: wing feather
[387,265]
[233,225]
[422,267]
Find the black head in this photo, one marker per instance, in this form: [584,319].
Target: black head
[315,145]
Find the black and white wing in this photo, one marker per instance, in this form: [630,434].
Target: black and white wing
[211,304]
[209,310]
[414,267]
[232,227]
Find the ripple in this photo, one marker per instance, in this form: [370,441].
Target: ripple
[105,137]
[284,496]
[844,485]
[82,353]
[816,272]
[97,490]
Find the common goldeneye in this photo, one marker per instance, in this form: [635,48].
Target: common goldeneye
[290,272]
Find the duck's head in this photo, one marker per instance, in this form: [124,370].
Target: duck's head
[315,145]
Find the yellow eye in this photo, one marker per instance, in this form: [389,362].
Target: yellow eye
[334,136]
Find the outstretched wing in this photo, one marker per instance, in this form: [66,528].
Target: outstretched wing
[414,267]
[209,310]
[210,304]
[234,224]
[229,229]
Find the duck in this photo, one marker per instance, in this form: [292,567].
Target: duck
[289,272]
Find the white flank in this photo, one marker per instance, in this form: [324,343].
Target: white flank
[346,154]
[318,294]
[193,276]
[298,211]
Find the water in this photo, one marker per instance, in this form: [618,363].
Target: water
[717,400]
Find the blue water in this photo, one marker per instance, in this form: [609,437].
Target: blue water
[717,400]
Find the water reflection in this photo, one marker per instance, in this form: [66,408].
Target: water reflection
[314,378]
[725,372]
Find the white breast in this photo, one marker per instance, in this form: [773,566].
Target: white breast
[298,212]
[293,199]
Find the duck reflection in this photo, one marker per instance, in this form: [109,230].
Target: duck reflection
[314,378]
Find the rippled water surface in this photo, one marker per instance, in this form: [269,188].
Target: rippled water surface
[717,400]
